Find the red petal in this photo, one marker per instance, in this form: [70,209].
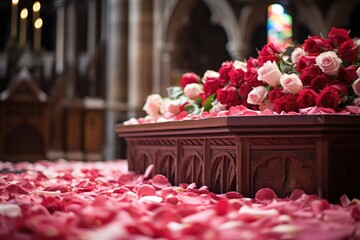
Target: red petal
[15,189]
[232,195]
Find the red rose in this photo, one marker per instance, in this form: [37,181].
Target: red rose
[337,36]
[304,62]
[224,71]
[251,75]
[348,74]
[237,77]
[227,94]
[309,73]
[315,45]
[275,94]
[188,78]
[348,51]
[211,85]
[306,98]
[287,103]
[253,63]
[328,98]
[320,81]
[269,52]
[244,90]
[340,87]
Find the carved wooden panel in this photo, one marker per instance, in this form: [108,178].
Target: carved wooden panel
[222,177]
[283,171]
[166,164]
[191,169]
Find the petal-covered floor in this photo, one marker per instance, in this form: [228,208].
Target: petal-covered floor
[103,201]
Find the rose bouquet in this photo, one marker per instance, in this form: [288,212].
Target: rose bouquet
[320,76]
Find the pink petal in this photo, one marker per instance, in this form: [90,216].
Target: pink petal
[232,195]
[296,194]
[15,189]
[160,181]
[146,190]
[265,194]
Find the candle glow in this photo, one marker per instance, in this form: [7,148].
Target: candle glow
[38,23]
[36,6]
[24,14]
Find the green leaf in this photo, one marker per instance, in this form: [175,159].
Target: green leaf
[208,101]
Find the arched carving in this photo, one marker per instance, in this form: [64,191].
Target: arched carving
[192,169]
[166,165]
[142,161]
[223,172]
[283,172]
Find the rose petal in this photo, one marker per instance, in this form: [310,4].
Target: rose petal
[265,194]
[146,190]
[160,181]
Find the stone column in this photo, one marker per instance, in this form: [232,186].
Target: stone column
[140,55]
[60,32]
[73,105]
[91,47]
[116,71]
[56,148]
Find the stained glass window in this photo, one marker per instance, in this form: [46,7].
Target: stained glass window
[279,26]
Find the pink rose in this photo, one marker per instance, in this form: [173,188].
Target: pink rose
[170,108]
[257,95]
[356,102]
[188,78]
[153,104]
[269,73]
[291,83]
[329,63]
[358,72]
[193,90]
[297,54]
[356,87]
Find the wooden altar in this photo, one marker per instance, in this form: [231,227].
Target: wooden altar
[317,153]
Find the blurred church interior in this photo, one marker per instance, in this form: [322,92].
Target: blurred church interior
[70,70]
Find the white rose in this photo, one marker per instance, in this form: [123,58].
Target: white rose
[193,90]
[328,62]
[356,87]
[257,95]
[269,73]
[210,74]
[240,65]
[297,54]
[291,83]
[217,107]
[153,104]
[170,108]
